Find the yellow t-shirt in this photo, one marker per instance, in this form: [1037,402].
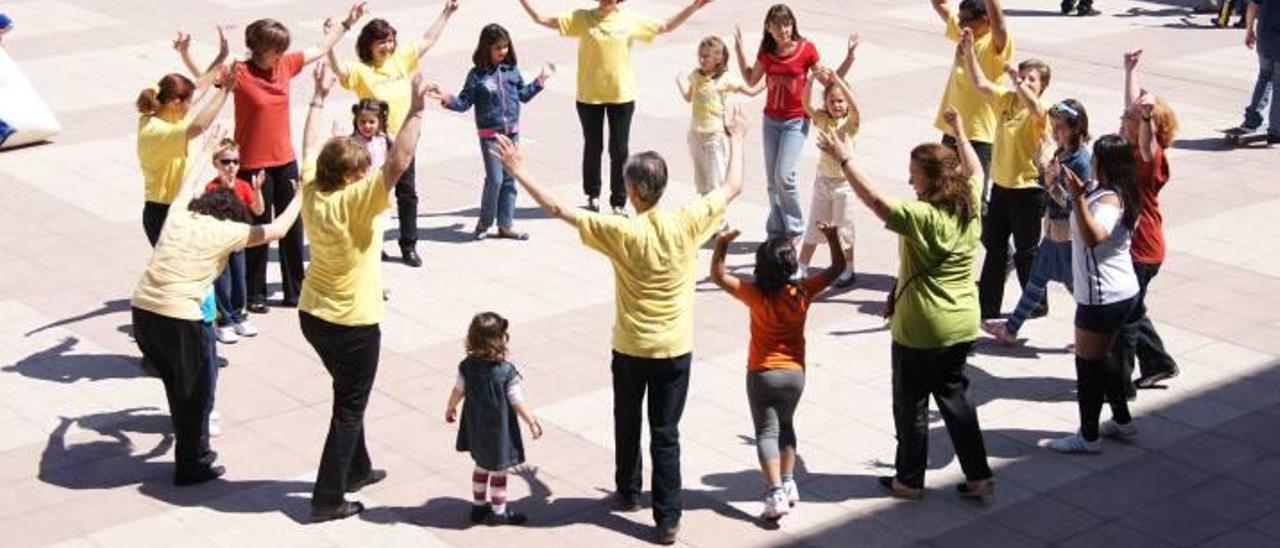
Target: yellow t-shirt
[162,155]
[845,127]
[1018,140]
[708,99]
[979,117]
[343,283]
[604,51]
[653,258]
[392,81]
[192,251]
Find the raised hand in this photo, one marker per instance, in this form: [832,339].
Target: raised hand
[328,24]
[1012,72]
[966,40]
[854,40]
[227,77]
[355,13]
[735,122]
[737,36]
[258,178]
[421,91]
[450,6]
[548,70]
[213,138]
[822,74]
[723,239]
[1131,59]
[323,79]
[952,118]
[182,43]
[702,3]
[223,47]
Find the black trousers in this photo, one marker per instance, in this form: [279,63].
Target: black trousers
[407,206]
[917,374]
[176,349]
[350,354]
[667,381]
[592,118]
[1011,212]
[1138,337]
[277,192]
[153,216]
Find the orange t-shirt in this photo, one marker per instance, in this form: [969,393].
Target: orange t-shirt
[777,323]
[262,112]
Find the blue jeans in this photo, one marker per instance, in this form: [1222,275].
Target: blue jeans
[783,141]
[1052,263]
[1263,90]
[499,196]
[229,290]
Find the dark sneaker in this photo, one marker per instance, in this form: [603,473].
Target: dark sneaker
[341,511]
[667,533]
[505,518]
[1153,380]
[480,512]
[374,476]
[208,474]
[626,503]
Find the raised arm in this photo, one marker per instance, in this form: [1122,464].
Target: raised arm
[751,74]
[1131,59]
[544,20]
[940,7]
[206,77]
[433,33]
[972,71]
[202,160]
[682,84]
[513,161]
[736,126]
[1028,97]
[970,166]
[846,90]
[1144,109]
[843,70]
[201,120]
[331,57]
[862,186]
[678,18]
[330,39]
[719,274]
[259,205]
[999,29]
[806,99]
[401,153]
[312,135]
[1091,231]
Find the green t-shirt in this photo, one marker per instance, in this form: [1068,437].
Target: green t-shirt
[940,308]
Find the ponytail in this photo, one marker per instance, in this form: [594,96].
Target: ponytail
[148,101]
[170,88]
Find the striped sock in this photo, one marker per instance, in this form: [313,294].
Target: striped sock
[498,492]
[479,480]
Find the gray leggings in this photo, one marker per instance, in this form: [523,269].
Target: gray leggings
[773,395]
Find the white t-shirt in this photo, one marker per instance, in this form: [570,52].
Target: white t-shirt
[1103,274]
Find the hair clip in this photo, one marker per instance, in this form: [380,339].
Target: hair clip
[1064,108]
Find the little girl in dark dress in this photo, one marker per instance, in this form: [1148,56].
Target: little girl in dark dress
[490,389]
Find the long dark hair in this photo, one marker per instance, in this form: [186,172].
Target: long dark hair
[1115,169]
[491,34]
[373,31]
[945,186]
[222,204]
[1072,113]
[776,263]
[782,14]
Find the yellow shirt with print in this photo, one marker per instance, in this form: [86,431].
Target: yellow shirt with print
[654,256]
[844,127]
[604,52]
[162,155]
[191,252]
[1018,141]
[343,282]
[392,81]
[979,117]
[707,95]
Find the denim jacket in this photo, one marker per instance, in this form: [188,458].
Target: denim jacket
[496,93]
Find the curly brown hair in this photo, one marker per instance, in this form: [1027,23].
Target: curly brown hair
[946,187]
[487,337]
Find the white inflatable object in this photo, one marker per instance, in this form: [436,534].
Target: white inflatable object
[21,107]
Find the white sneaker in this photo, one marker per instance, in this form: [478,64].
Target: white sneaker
[226,335]
[792,492]
[214,429]
[245,329]
[215,415]
[775,505]
[1112,429]
[1075,444]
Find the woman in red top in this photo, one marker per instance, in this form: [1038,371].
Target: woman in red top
[775,365]
[1149,124]
[262,130]
[784,60]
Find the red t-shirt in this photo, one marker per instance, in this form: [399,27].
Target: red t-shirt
[243,190]
[786,78]
[1148,238]
[262,112]
[777,323]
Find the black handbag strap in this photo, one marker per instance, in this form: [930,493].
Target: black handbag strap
[899,291]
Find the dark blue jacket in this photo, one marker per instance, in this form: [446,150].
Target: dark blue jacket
[496,93]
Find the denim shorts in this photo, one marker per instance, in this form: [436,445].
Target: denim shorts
[1103,318]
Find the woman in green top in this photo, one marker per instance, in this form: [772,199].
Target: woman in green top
[936,318]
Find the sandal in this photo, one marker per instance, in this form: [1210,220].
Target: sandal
[898,490]
[513,235]
[977,490]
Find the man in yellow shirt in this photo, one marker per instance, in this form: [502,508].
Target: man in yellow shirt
[606,85]
[994,47]
[653,256]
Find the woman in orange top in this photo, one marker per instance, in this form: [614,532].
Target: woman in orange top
[775,364]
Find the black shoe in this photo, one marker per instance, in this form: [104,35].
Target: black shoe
[1068,6]
[374,476]
[222,362]
[1273,139]
[289,303]
[626,503]
[1153,380]
[208,474]
[667,533]
[1040,311]
[1083,11]
[593,204]
[410,257]
[480,512]
[257,307]
[386,257]
[341,511]
[507,517]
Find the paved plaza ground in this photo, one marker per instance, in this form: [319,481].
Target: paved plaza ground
[85,449]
